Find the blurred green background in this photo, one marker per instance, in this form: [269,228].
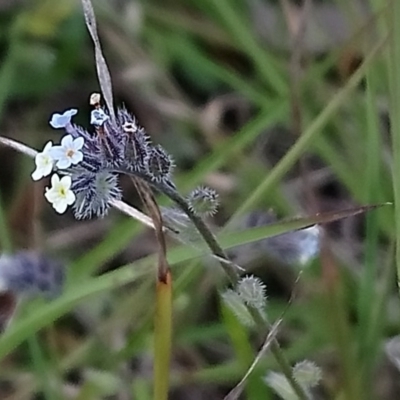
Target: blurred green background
[271,116]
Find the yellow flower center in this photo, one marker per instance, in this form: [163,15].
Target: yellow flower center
[70,153]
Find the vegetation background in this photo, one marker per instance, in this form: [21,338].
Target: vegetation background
[278,105]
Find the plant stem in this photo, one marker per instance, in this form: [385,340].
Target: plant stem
[279,355]
[234,277]
[205,232]
[215,248]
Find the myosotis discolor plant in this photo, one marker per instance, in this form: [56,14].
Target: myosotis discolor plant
[85,169]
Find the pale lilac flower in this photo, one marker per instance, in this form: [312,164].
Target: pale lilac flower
[98,117]
[62,120]
[44,163]
[60,194]
[69,152]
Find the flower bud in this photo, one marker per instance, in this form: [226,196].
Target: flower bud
[203,201]
[307,373]
[252,291]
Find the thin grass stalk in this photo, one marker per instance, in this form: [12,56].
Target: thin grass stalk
[163,312]
[394,80]
[378,314]
[162,337]
[337,318]
[41,367]
[244,352]
[279,356]
[367,292]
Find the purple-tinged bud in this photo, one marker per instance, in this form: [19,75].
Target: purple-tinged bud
[137,147]
[159,164]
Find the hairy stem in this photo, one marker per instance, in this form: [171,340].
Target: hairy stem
[234,277]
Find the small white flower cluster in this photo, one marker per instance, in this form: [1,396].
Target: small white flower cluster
[60,156]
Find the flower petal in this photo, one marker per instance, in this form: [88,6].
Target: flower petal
[60,206]
[47,147]
[46,169]
[67,141]
[51,195]
[57,152]
[70,197]
[63,163]
[58,121]
[66,182]
[76,158]
[37,174]
[55,180]
[78,143]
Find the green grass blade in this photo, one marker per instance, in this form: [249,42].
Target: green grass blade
[367,293]
[394,73]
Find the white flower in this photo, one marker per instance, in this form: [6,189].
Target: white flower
[62,120]
[44,163]
[68,152]
[60,194]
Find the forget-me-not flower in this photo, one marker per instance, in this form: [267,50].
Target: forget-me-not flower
[69,152]
[59,121]
[92,160]
[60,194]
[44,163]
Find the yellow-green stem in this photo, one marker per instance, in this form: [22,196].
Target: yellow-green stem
[162,337]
